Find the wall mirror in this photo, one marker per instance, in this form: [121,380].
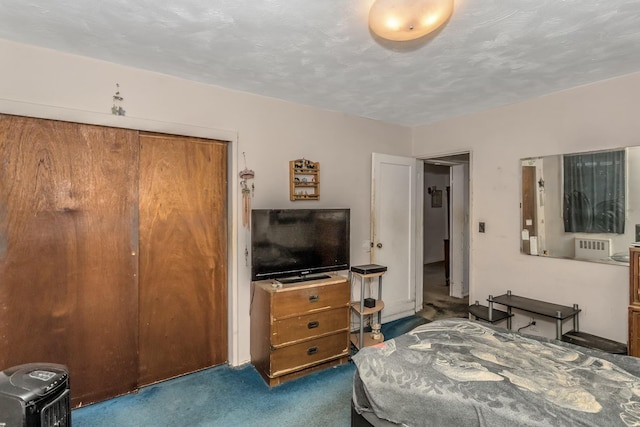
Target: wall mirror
[582,206]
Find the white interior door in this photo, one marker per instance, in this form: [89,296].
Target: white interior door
[459,247]
[396,200]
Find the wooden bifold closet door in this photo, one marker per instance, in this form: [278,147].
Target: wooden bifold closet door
[113,253]
[68,252]
[183,255]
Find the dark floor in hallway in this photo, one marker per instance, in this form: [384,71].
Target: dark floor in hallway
[437,304]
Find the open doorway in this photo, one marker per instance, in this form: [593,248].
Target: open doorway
[446,237]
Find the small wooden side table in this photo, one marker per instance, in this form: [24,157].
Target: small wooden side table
[368,271]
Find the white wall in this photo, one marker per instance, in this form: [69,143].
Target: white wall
[44,83]
[598,116]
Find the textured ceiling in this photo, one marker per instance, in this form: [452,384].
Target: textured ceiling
[320,53]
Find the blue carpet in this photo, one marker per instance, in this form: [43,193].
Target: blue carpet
[224,396]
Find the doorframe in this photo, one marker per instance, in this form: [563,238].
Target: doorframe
[442,159]
[51,112]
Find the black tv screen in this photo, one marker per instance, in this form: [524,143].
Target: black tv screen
[298,242]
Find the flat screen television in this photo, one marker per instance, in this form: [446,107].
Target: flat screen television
[298,244]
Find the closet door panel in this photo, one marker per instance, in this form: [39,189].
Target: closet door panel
[68,252]
[183,255]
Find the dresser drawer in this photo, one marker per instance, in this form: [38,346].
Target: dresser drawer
[289,303]
[634,271]
[307,353]
[634,332]
[304,327]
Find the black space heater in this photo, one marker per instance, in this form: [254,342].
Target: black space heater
[35,395]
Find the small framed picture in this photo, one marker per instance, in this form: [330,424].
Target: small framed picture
[436,199]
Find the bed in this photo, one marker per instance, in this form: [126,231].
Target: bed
[458,372]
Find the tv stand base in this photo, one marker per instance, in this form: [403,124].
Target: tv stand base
[307,278]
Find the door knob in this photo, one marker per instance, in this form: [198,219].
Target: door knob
[379,245]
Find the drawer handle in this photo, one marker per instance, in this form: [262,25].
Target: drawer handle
[312,350]
[314,324]
[314,298]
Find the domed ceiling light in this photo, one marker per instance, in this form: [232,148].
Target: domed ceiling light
[403,20]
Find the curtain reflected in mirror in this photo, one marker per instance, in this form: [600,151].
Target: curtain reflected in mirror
[581,206]
[594,192]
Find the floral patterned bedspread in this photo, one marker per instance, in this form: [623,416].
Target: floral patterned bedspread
[457,372]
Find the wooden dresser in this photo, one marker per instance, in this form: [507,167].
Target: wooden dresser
[299,328]
[634,302]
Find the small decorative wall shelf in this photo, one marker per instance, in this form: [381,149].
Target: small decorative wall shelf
[304,180]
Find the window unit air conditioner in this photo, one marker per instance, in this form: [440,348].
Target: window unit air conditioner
[35,395]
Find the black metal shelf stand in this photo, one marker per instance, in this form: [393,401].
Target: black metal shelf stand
[541,308]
